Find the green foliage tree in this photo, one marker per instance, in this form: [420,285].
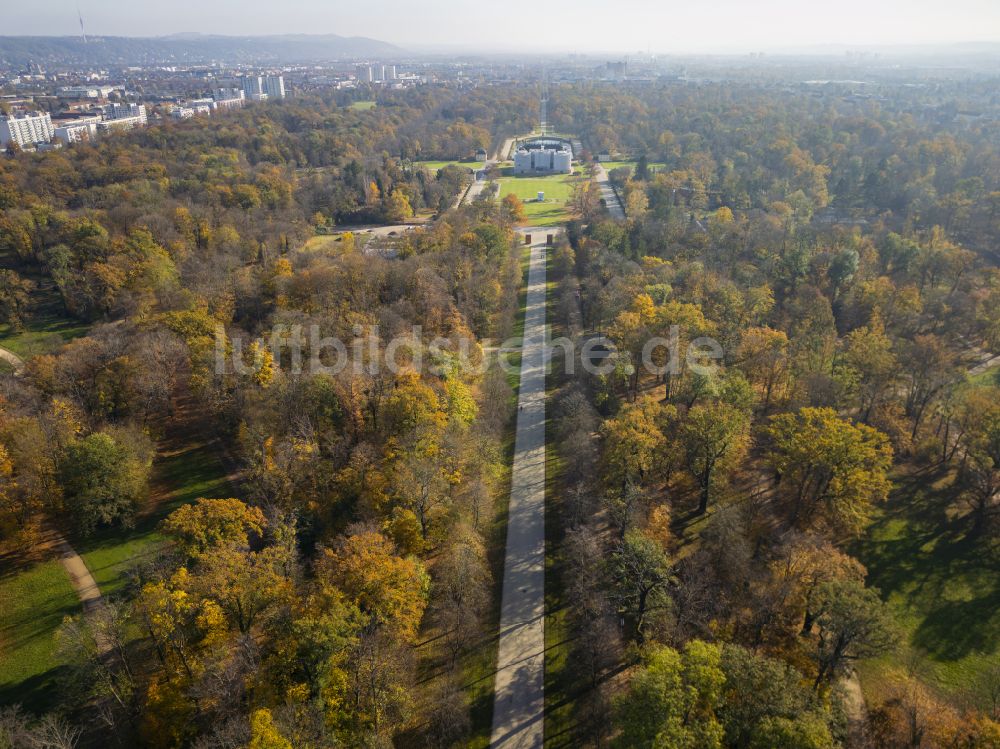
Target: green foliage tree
[103,481]
[714,436]
[853,623]
[641,573]
[672,700]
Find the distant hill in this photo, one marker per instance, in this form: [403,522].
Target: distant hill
[187,49]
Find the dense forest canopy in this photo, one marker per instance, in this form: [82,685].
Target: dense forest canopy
[717,571]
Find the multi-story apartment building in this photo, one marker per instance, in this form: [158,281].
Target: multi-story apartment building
[75,131]
[119,111]
[27,129]
[274,86]
[261,87]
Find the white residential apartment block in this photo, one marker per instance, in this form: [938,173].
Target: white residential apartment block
[85,92]
[375,73]
[117,111]
[253,87]
[261,87]
[123,117]
[76,131]
[274,87]
[26,129]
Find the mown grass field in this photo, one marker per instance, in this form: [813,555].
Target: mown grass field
[653,166]
[324,244]
[558,189]
[434,166]
[943,587]
[362,105]
[33,603]
[46,328]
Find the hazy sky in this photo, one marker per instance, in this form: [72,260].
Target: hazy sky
[580,25]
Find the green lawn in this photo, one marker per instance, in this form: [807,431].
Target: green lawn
[33,603]
[943,587]
[47,328]
[434,166]
[363,105]
[558,189]
[991,377]
[609,165]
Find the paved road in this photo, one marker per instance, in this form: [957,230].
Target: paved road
[504,153]
[519,694]
[608,193]
[475,190]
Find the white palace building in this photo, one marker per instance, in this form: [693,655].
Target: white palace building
[543,156]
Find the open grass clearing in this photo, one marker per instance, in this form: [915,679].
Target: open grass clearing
[434,166]
[558,189]
[942,585]
[47,326]
[33,603]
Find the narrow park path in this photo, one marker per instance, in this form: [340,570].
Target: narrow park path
[519,692]
[79,575]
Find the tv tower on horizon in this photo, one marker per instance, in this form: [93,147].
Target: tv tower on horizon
[83,31]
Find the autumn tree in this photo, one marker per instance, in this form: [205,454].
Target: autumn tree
[634,441]
[211,523]
[763,357]
[392,590]
[873,366]
[14,298]
[829,469]
[512,209]
[980,471]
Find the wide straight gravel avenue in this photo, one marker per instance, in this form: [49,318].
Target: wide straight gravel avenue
[519,695]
